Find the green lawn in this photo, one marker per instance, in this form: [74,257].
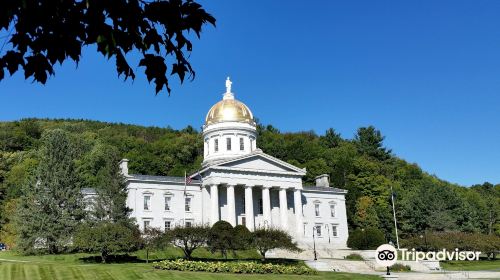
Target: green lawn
[71,266]
[472,265]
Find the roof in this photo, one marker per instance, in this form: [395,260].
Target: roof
[257,152]
[323,189]
[174,179]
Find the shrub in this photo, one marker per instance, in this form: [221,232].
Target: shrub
[398,267]
[107,238]
[233,267]
[367,239]
[354,257]
[242,238]
[271,238]
[221,238]
[488,244]
[188,238]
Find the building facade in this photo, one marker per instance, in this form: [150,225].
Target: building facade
[240,184]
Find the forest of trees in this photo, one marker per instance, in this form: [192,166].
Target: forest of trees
[362,165]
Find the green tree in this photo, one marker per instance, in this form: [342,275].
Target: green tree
[242,238]
[365,239]
[331,139]
[107,238]
[100,171]
[221,238]
[43,33]
[366,215]
[152,238]
[369,141]
[54,194]
[265,239]
[188,239]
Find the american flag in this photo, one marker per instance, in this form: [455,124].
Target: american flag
[195,176]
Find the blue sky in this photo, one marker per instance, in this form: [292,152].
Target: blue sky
[426,73]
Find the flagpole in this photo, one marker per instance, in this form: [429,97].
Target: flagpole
[185,187]
[394,215]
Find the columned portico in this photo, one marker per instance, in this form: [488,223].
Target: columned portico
[214,199]
[266,205]
[283,208]
[231,206]
[249,217]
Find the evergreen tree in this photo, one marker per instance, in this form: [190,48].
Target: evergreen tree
[100,171]
[370,142]
[51,206]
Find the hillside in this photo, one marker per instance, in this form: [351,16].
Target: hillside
[363,166]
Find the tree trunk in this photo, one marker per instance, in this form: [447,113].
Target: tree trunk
[104,255]
[147,255]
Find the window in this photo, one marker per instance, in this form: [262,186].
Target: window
[147,223]
[332,210]
[316,209]
[168,200]
[189,224]
[317,230]
[147,202]
[334,231]
[242,144]
[261,207]
[216,145]
[244,205]
[305,228]
[187,204]
[228,142]
[168,225]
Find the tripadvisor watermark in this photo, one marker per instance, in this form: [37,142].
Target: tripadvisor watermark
[443,255]
[387,255]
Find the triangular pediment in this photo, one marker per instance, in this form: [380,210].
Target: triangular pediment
[260,162]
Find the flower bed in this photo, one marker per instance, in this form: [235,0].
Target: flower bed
[244,267]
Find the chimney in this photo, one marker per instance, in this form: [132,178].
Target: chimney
[124,167]
[322,180]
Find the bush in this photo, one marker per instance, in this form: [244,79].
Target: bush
[488,244]
[267,239]
[242,238]
[221,238]
[107,238]
[354,257]
[367,239]
[398,267]
[233,267]
[188,238]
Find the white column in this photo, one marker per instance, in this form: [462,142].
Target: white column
[297,199]
[266,205]
[283,208]
[250,223]
[231,208]
[214,209]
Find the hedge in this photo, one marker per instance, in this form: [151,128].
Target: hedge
[243,267]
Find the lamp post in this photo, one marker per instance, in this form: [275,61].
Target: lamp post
[314,244]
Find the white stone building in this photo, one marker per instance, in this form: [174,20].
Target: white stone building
[240,184]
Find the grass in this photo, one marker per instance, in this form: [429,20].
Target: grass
[73,267]
[493,265]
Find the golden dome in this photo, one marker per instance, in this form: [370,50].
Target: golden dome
[229,110]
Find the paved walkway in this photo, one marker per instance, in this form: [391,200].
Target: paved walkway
[365,267]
